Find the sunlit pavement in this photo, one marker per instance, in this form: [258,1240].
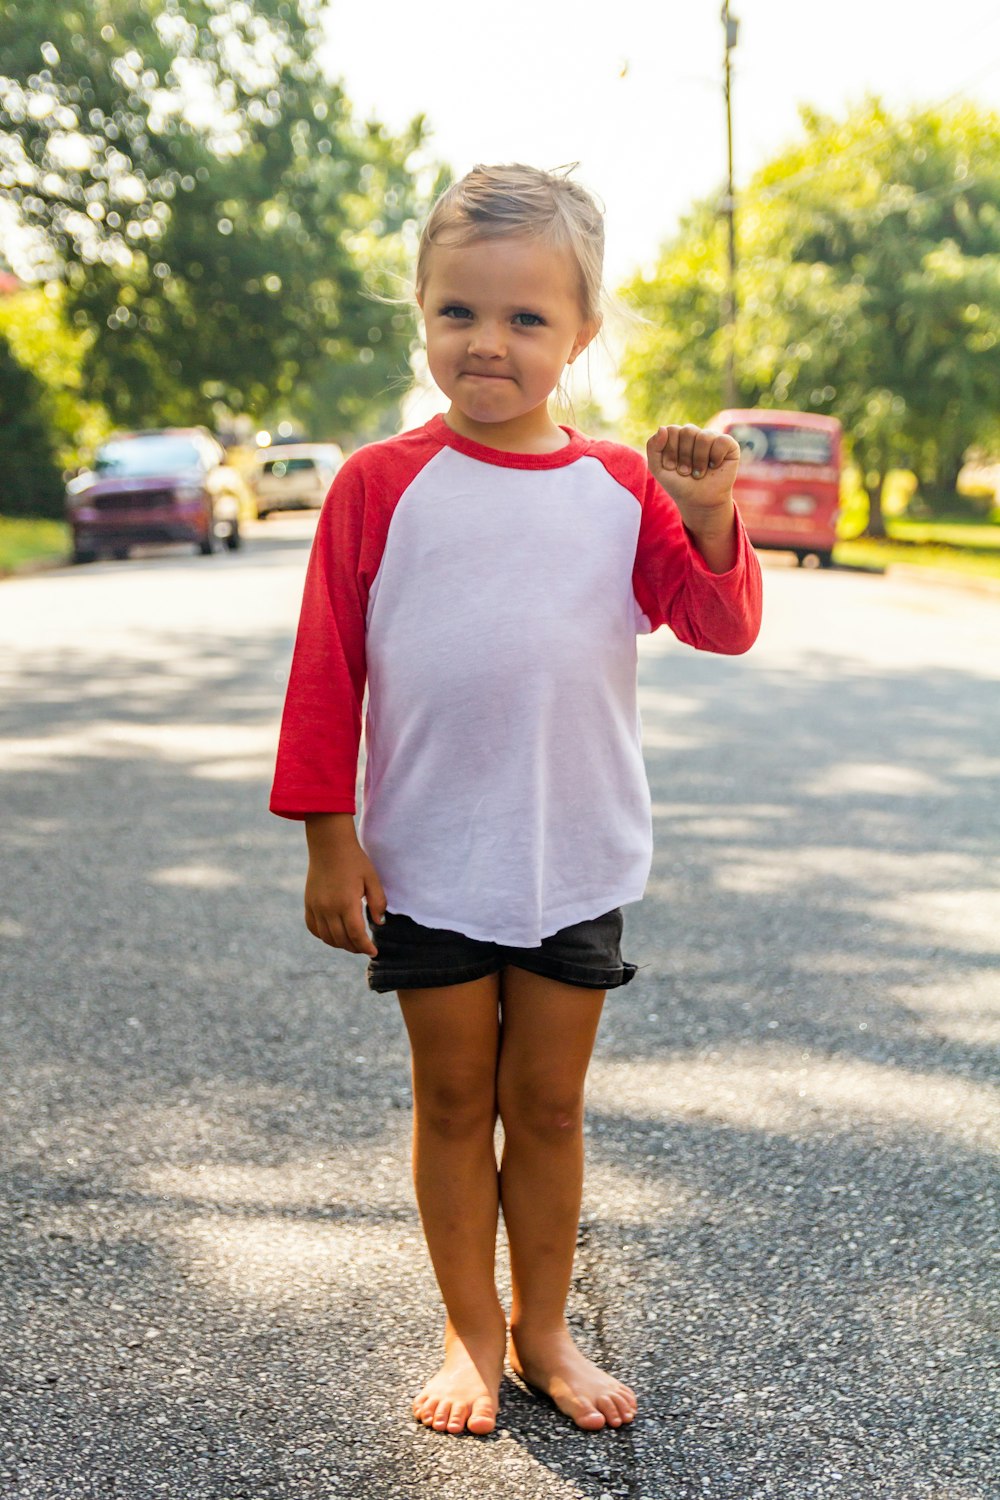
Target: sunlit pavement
[214,1272]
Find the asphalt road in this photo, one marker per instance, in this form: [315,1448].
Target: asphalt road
[214,1281]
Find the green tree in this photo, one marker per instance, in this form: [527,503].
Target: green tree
[218,214]
[34,323]
[869,289]
[30,479]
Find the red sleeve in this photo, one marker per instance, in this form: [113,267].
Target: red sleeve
[674,585]
[317,766]
[317,762]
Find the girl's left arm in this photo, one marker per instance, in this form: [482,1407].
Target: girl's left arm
[695,569]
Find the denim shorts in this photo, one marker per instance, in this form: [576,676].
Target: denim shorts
[412,957]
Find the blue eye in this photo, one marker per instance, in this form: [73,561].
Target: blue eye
[455,311]
[530,320]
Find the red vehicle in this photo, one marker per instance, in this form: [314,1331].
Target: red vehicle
[788,486]
[172,485]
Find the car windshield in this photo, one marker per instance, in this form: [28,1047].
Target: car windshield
[147,456]
[783,445]
[280,466]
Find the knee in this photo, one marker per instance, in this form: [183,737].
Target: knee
[456,1107]
[541,1114]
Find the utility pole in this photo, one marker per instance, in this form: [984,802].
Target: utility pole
[728,207]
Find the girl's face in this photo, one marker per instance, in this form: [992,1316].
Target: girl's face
[503,320]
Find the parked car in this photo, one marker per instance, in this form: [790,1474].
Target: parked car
[294,476]
[172,485]
[788,485]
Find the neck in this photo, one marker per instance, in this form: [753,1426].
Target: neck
[535,432]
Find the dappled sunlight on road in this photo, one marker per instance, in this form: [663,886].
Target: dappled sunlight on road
[967,1013]
[968,917]
[272,1259]
[207,877]
[875,777]
[210,750]
[776,1089]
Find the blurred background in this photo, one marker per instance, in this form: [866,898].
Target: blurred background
[209,215]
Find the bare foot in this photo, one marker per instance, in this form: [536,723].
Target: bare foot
[465,1392]
[588,1394]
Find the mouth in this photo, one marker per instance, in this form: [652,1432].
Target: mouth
[480,375]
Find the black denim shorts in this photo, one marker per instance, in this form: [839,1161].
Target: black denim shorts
[412,957]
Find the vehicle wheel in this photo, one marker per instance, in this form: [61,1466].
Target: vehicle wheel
[262,515]
[825,559]
[83,555]
[119,553]
[233,538]
[209,542]
[800,558]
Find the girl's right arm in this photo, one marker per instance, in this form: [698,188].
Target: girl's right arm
[317,759]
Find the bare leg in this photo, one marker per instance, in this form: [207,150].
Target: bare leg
[548,1036]
[454,1034]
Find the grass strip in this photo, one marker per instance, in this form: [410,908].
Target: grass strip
[867,553]
[23,542]
[983,537]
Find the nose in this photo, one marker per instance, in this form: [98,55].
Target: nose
[488,341]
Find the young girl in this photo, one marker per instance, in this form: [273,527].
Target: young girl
[487,574]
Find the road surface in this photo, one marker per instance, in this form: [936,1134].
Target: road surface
[213,1271]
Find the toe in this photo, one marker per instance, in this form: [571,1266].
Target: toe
[625,1408]
[608,1406]
[441,1415]
[459,1415]
[589,1417]
[483,1418]
[429,1410]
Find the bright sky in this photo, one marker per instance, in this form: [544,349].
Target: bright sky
[633,89]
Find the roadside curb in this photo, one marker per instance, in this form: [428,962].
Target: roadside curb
[912,572]
[38,565]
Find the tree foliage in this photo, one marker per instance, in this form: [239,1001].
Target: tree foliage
[45,345]
[218,214]
[30,478]
[868,288]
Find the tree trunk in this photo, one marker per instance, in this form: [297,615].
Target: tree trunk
[876,520]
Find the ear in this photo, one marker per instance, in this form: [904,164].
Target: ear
[587,335]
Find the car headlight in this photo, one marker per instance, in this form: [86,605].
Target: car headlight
[800,505]
[187,494]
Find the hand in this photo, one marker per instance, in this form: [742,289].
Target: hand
[697,468]
[341,878]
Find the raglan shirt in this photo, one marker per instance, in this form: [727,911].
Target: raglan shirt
[492,602]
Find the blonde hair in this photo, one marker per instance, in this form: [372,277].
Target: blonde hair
[497,202]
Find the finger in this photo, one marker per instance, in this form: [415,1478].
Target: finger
[686,437]
[725,449]
[668,448]
[719,451]
[318,926]
[339,937]
[356,934]
[375,897]
[316,923]
[700,452]
[655,445]
[327,930]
